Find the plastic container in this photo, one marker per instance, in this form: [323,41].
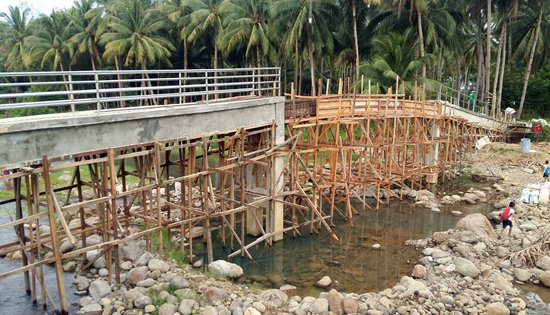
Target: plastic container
[534,196]
[544,195]
[525,145]
[524,195]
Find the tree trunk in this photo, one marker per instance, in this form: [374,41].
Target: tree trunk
[120,84]
[466,73]
[502,67]
[495,80]
[488,57]
[185,55]
[479,60]
[530,63]
[355,38]
[311,59]
[296,65]
[458,81]
[421,39]
[215,68]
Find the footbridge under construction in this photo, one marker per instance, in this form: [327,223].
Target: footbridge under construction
[181,154]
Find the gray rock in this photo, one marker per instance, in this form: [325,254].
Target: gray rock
[142,301]
[137,274]
[103,272]
[144,259]
[335,301]
[226,269]
[522,274]
[178,282]
[544,277]
[93,240]
[502,251]
[273,298]
[157,264]
[69,266]
[130,251]
[320,306]
[497,309]
[186,306]
[501,283]
[213,294]
[90,309]
[350,306]
[66,246]
[209,310]
[252,311]
[86,300]
[544,263]
[466,267]
[99,289]
[99,262]
[528,227]
[167,309]
[147,283]
[419,272]
[413,287]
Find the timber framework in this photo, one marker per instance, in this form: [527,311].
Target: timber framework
[172,194]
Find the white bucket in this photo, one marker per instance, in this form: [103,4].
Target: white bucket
[534,196]
[524,196]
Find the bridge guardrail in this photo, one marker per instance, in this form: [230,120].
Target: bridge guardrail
[107,89]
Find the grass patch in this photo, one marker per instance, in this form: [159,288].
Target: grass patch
[257,287]
[215,275]
[315,292]
[169,249]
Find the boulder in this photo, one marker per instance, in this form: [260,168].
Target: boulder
[144,259]
[100,262]
[323,282]
[465,267]
[273,298]
[497,309]
[167,309]
[213,294]
[419,272]
[413,287]
[90,309]
[335,301]
[251,311]
[476,223]
[99,289]
[137,274]
[142,301]
[130,251]
[178,282]
[186,307]
[350,306]
[544,277]
[226,269]
[157,264]
[543,263]
[522,275]
[320,306]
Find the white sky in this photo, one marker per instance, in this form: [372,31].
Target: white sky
[37,6]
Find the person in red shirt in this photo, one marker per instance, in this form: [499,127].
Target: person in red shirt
[537,129]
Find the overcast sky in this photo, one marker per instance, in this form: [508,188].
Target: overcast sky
[37,6]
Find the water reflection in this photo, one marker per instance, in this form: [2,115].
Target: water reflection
[352,263]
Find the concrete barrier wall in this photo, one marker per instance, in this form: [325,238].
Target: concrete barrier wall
[26,139]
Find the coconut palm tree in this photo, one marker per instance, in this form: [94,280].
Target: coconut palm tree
[246,27]
[205,21]
[16,34]
[136,34]
[309,19]
[395,59]
[178,12]
[49,45]
[86,23]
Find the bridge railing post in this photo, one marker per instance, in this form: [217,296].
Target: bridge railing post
[98,102]
[71,95]
[206,85]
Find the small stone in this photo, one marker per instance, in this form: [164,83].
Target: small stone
[376,246]
[252,311]
[147,283]
[103,272]
[497,309]
[142,301]
[167,309]
[150,308]
[259,306]
[70,266]
[157,264]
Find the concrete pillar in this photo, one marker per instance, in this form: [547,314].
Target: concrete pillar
[431,159]
[252,226]
[276,213]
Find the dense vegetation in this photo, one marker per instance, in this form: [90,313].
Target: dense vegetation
[424,41]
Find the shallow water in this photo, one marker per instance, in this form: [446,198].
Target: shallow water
[352,263]
[13,297]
